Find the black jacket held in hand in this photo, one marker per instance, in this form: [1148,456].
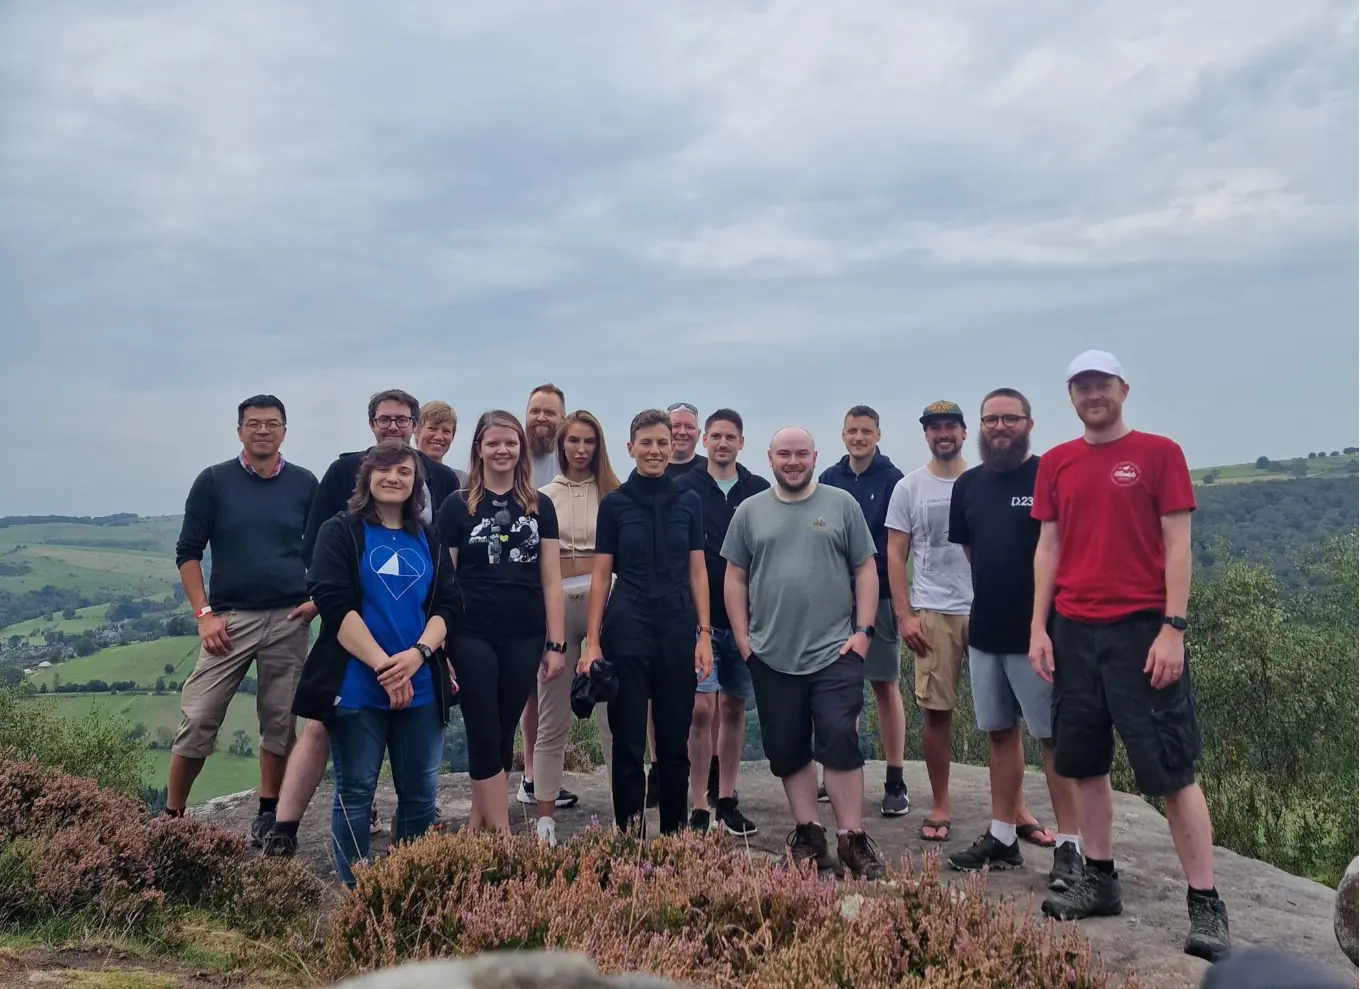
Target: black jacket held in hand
[718,511]
[333,585]
[337,484]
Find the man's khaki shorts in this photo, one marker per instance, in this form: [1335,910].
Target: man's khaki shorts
[938,671]
[278,646]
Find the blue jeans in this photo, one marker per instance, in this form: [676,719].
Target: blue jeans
[414,741]
[730,673]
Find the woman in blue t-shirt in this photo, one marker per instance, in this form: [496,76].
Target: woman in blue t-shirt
[502,535]
[377,675]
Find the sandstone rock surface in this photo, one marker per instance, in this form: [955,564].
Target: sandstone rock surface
[507,970]
[1266,905]
[1347,915]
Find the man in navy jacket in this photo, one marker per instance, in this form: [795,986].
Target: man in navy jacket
[870,477]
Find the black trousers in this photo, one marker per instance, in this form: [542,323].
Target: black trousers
[495,679]
[650,644]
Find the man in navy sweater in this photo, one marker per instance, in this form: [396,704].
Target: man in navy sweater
[870,477]
[249,511]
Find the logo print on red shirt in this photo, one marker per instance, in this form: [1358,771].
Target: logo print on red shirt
[1125,474]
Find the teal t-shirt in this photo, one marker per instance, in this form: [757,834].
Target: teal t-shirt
[726,486]
[796,555]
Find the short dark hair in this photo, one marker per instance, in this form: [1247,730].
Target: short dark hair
[393,395]
[863,412]
[726,415]
[551,389]
[646,418]
[1007,393]
[389,453]
[260,402]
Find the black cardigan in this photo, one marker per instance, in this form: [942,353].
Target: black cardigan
[333,585]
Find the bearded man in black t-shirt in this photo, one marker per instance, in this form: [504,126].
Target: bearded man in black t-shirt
[989,517]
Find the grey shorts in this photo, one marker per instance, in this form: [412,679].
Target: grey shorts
[884,662]
[1006,688]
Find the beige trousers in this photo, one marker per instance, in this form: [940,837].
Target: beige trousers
[554,699]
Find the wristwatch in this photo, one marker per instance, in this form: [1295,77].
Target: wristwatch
[551,646]
[868,631]
[424,651]
[1175,621]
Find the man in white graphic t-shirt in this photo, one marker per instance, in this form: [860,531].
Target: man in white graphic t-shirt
[933,617]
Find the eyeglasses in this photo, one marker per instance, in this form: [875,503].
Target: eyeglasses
[273,425]
[682,405]
[991,421]
[385,421]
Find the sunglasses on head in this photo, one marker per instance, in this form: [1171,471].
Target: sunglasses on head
[682,405]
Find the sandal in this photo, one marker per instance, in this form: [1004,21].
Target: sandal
[937,827]
[1028,832]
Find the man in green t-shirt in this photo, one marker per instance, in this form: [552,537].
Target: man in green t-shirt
[804,632]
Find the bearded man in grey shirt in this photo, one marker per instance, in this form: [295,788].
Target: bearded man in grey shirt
[804,632]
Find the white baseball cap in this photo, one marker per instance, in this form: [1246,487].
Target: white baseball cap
[1095,360]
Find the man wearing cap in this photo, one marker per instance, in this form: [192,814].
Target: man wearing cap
[932,617]
[1111,584]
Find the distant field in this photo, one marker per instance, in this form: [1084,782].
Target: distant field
[1238,473]
[96,584]
[156,535]
[222,773]
[85,620]
[141,662]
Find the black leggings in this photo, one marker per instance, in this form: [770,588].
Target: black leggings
[495,678]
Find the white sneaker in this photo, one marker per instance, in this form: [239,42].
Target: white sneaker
[547,831]
[526,793]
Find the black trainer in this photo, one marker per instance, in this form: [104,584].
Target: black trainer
[895,802]
[1208,937]
[713,782]
[733,820]
[1095,894]
[822,797]
[699,821]
[279,845]
[987,852]
[259,828]
[1067,866]
[807,843]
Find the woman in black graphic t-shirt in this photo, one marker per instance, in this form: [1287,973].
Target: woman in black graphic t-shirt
[502,535]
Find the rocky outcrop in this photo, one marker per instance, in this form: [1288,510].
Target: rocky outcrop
[507,970]
[1347,916]
[1266,905]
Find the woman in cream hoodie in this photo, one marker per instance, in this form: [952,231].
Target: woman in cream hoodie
[584,477]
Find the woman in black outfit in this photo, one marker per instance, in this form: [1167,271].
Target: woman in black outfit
[654,629]
[502,535]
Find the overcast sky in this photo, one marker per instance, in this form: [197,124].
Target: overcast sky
[788,208]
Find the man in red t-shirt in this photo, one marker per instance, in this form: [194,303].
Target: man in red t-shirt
[1111,584]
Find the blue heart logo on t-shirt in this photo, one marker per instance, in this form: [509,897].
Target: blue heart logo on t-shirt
[399,570]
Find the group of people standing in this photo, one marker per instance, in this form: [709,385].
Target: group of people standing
[697,587]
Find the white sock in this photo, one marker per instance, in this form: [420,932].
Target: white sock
[1003,832]
[1074,839]
[841,831]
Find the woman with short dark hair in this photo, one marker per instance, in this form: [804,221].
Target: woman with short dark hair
[502,536]
[652,626]
[377,676]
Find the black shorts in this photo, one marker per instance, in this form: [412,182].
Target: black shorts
[793,709]
[1099,686]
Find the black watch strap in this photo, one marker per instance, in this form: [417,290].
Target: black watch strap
[1175,621]
[868,631]
[424,650]
[551,646]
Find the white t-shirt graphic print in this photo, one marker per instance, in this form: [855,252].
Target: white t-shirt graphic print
[940,578]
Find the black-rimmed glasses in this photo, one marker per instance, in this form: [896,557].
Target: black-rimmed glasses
[1009,420]
[385,421]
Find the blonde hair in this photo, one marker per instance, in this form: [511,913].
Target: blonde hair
[525,492]
[605,478]
[437,414]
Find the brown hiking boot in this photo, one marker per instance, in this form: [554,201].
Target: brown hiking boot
[807,842]
[858,853]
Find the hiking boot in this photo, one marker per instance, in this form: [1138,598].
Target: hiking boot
[987,852]
[733,820]
[822,797]
[653,789]
[279,845]
[895,802]
[858,853]
[1208,937]
[260,827]
[1095,894]
[1067,866]
[699,821]
[807,843]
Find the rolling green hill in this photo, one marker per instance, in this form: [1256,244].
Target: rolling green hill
[1339,466]
[140,662]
